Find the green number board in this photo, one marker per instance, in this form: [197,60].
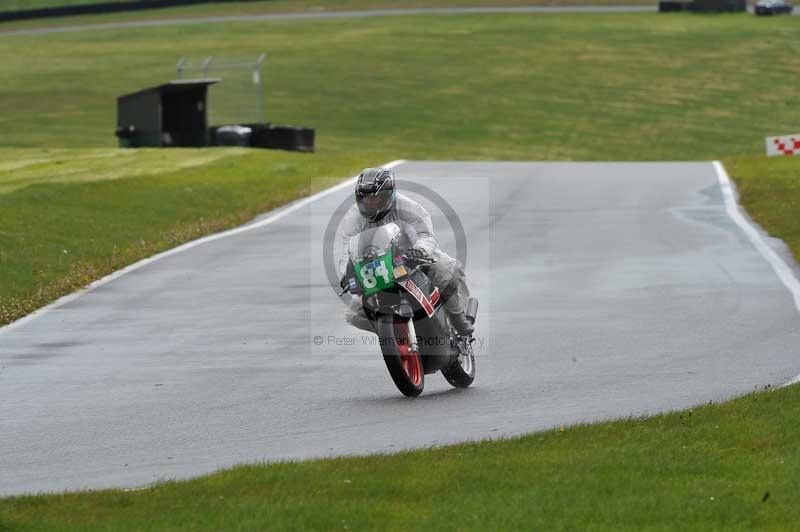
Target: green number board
[375,275]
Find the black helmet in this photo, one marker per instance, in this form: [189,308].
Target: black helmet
[375,194]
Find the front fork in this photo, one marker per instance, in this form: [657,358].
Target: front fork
[412,337]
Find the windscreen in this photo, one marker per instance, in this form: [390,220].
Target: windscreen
[373,242]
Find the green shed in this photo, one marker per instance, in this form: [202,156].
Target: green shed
[171,114]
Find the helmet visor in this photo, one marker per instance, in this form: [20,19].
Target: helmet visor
[371,205]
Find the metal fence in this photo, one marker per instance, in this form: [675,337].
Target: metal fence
[240,97]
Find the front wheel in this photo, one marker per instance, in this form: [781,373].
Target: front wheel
[404,364]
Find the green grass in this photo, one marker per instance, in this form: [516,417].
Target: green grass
[22,168]
[590,87]
[770,192]
[733,466]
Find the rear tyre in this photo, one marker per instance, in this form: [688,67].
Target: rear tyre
[403,363]
[461,372]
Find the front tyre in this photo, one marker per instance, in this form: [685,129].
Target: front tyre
[403,363]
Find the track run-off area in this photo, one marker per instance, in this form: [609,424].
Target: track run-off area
[607,290]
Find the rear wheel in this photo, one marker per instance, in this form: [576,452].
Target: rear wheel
[461,372]
[403,363]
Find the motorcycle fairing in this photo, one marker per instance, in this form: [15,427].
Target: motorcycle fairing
[428,304]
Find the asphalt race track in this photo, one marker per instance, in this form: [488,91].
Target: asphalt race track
[607,290]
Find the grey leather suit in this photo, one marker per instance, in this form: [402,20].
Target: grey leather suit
[417,231]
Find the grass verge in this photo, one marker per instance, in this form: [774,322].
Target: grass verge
[770,192]
[731,466]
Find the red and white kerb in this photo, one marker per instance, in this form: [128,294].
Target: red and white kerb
[787,145]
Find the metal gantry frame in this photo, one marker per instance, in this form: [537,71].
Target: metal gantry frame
[211,66]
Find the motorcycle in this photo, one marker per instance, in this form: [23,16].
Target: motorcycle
[405,311]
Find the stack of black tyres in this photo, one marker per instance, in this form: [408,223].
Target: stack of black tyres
[291,138]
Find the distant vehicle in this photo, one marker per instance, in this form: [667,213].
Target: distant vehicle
[773,7]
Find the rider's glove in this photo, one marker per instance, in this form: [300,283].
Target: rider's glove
[417,254]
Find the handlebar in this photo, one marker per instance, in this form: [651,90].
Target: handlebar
[419,260]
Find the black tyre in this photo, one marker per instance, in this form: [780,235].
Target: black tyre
[404,365]
[461,372]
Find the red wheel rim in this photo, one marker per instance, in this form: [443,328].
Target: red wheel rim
[408,357]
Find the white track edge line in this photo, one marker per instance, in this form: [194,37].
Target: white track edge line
[282,212]
[779,266]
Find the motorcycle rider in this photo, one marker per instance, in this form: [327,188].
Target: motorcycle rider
[378,203]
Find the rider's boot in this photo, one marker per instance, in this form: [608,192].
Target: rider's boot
[461,323]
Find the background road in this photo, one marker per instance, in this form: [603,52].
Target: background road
[335,15]
[606,290]
[531,10]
